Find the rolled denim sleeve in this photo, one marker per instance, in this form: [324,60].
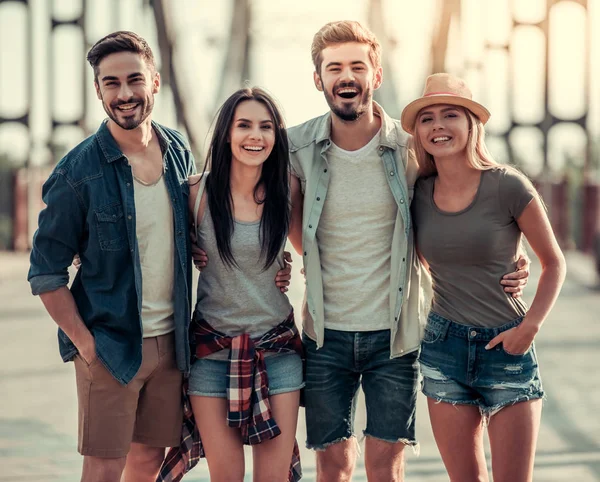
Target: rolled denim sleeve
[60,229]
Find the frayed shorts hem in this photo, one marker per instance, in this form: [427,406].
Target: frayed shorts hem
[487,411]
[323,446]
[403,440]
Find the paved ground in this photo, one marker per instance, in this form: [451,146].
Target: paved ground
[38,416]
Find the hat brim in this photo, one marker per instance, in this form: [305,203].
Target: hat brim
[410,112]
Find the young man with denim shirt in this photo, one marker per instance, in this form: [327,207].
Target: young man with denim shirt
[119,199]
[366,292]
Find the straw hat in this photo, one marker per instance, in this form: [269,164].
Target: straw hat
[442,89]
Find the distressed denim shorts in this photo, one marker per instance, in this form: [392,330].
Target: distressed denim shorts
[457,369]
[208,377]
[334,372]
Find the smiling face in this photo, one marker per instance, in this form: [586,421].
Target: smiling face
[347,78]
[443,130]
[252,134]
[126,86]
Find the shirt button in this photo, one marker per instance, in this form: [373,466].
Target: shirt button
[391,173]
[399,289]
[403,259]
[128,184]
[304,253]
[473,333]
[381,148]
[318,199]
[129,216]
[310,225]
[401,201]
[324,170]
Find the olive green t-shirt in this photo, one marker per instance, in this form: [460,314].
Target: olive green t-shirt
[470,250]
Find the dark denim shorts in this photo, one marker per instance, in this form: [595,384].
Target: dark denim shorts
[333,375]
[457,369]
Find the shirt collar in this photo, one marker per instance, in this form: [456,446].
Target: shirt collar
[111,150]
[388,137]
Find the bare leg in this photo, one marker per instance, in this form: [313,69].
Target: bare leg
[336,462]
[143,463]
[222,444]
[272,457]
[458,431]
[513,435]
[384,461]
[97,469]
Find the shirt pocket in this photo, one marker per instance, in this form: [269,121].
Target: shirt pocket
[110,225]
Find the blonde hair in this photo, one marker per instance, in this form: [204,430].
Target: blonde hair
[341,32]
[478,155]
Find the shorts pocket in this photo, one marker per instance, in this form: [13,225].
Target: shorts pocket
[112,232]
[516,355]
[87,365]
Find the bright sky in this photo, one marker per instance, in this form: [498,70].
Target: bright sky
[281,35]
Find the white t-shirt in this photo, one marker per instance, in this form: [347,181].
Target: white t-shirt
[355,240]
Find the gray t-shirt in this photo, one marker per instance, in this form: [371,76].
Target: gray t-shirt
[241,299]
[470,250]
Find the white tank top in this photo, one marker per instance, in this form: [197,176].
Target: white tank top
[154,231]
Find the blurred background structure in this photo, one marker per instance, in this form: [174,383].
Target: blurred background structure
[533,63]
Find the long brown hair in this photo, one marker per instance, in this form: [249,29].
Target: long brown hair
[273,182]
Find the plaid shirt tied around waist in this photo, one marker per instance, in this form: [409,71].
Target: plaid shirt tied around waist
[247,394]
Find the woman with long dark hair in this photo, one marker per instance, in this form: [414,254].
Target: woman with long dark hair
[245,383]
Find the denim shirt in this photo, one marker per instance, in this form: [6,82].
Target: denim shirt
[410,290]
[90,210]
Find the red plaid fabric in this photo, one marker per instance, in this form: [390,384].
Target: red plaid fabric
[247,394]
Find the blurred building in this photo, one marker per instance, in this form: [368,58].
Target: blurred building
[532,63]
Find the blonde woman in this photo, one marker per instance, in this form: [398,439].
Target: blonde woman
[478,359]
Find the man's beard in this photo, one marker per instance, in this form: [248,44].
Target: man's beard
[133,121]
[349,112]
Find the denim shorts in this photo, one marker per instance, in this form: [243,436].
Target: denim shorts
[333,374]
[457,368]
[208,377]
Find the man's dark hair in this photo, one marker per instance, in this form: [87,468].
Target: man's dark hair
[122,41]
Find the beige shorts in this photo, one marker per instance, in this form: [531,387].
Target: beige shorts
[148,410]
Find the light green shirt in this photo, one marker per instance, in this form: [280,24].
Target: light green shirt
[410,288]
